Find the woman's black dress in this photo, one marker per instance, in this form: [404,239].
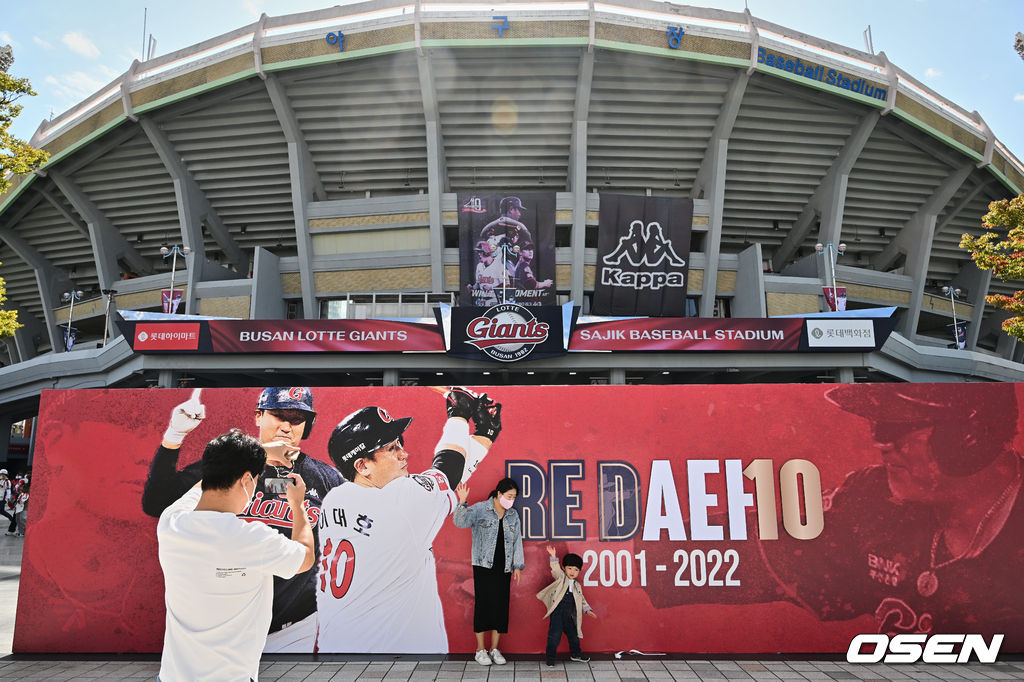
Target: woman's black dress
[492,587]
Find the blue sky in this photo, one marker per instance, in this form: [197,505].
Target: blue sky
[962,50]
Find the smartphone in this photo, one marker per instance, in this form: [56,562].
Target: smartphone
[277,486]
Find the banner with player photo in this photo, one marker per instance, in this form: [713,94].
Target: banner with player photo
[507,249]
[643,256]
[780,518]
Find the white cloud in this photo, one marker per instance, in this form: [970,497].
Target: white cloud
[73,87]
[80,44]
[932,73]
[5,38]
[42,43]
[1019,97]
[253,7]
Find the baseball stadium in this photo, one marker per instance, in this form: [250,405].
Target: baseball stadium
[682,286]
[308,167]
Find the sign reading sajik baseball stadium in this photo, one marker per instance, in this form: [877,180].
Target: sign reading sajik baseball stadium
[878,519]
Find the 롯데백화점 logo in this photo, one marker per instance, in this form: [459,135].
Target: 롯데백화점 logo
[506,332]
[911,648]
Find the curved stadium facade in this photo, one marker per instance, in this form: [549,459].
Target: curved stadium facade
[311,164]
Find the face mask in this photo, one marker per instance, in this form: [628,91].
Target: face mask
[505,502]
[248,495]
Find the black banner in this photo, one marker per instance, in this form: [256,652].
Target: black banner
[506,332]
[507,249]
[643,252]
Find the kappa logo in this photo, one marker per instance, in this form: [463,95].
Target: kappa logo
[507,332]
[645,246]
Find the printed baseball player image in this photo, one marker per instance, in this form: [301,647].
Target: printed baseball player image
[377,587]
[283,417]
[491,275]
[505,236]
[928,541]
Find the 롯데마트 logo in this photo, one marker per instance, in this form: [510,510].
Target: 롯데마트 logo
[166,336]
[507,332]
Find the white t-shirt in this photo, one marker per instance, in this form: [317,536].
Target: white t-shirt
[219,588]
[377,584]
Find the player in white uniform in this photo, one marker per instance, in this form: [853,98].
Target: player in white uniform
[491,274]
[377,584]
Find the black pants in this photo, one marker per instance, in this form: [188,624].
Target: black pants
[562,619]
[10,515]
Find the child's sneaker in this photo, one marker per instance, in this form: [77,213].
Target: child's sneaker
[582,658]
[497,657]
[482,658]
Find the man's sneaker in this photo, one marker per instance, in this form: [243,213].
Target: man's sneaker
[497,657]
[482,658]
[582,658]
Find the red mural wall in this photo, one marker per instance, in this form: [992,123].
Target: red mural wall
[718,519]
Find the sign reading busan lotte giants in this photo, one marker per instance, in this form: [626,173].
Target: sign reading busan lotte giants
[643,247]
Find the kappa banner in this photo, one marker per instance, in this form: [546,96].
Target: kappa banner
[507,249]
[643,251]
[728,506]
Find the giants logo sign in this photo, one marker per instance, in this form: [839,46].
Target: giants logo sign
[506,332]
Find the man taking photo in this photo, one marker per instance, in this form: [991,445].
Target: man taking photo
[219,570]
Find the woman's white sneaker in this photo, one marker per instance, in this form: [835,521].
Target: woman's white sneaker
[497,657]
[482,658]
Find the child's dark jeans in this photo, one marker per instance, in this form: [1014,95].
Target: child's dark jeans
[563,619]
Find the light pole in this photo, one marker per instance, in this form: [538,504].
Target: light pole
[833,255]
[73,295]
[953,295]
[109,293]
[173,253]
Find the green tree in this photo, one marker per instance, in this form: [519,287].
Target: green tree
[8,318]
[17,157]
[1003,256]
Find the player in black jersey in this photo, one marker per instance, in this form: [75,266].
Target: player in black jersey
[284,416]
[929,541]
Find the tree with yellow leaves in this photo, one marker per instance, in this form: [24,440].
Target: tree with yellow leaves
[1004,256]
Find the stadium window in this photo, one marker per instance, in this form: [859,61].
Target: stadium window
[377,305]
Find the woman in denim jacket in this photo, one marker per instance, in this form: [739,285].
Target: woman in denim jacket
[494,563]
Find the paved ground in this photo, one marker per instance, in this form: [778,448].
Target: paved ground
[455,668]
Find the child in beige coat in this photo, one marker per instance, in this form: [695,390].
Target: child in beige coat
[565,606]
